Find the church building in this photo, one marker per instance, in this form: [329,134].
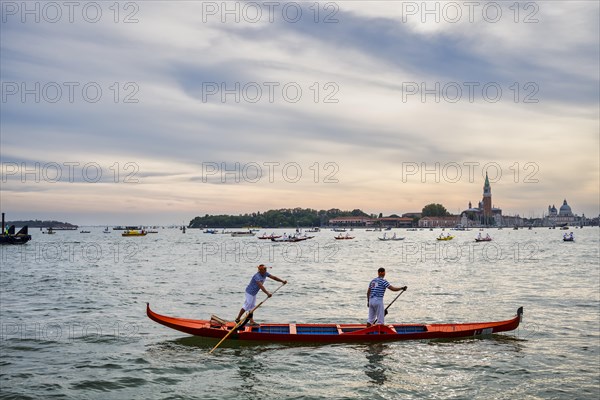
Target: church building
[484,214]
[563,216]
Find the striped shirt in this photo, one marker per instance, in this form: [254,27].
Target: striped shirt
[253,287]
[378,286]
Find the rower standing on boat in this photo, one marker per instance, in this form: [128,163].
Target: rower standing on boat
[375,297]
[256,284]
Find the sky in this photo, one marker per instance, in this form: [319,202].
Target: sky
[154,112]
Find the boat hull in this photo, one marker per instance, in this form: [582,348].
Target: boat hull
[335,333]
[14,239]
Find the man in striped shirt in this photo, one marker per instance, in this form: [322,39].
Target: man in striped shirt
[256,284]
[375,297]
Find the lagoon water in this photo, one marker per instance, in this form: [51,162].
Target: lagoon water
[73,321]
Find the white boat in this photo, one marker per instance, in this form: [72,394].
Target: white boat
[391,238]
[394,237]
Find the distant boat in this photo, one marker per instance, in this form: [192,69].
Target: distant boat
[84,232]
[106,230]
[242,233]
[291,239]
[134,232]
[125,228]
[342,237]
[390,238]
[50,231]
[8,236]
[445,238]
[569,237]
[271,236]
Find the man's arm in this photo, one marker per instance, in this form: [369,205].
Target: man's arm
[277,279]
[260,285]
[396,289]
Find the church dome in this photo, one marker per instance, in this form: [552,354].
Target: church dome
[565,209]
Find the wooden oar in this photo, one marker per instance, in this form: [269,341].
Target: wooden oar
[243,320]
[385,312]
[396,298]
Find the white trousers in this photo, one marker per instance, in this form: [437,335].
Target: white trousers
[250,302]
[376,310]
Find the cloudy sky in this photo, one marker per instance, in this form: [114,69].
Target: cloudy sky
[154,112]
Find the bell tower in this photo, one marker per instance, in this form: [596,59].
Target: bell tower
[487,199]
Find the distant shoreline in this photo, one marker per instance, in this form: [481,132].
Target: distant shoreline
[42,224]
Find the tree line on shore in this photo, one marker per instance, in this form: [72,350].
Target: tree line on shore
[293,217]
[284,217]
[42,224]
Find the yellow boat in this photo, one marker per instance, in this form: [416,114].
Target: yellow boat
[445,238]
[134,233]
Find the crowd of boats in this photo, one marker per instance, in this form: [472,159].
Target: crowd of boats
[10,236]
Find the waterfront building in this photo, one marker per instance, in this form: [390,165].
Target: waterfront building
[484,214]
[563,216]
[391,222]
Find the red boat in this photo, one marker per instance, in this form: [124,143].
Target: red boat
[334,333]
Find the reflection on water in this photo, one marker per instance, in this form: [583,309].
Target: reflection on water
[375,367]
[250,371]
